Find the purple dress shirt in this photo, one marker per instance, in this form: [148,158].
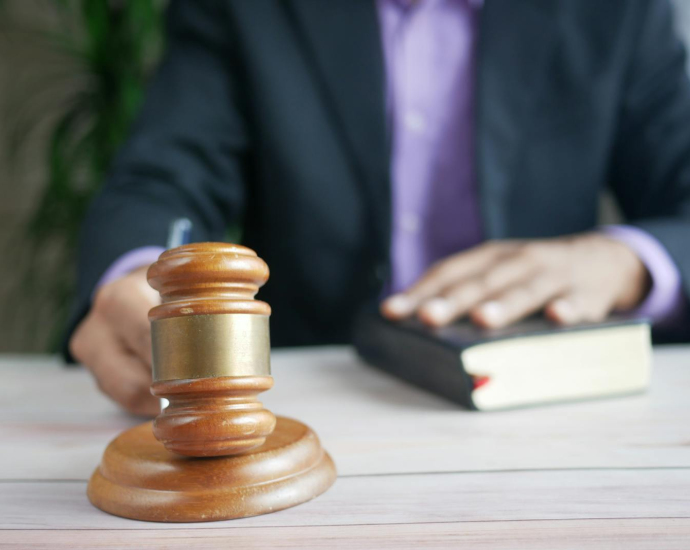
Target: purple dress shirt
[429,51]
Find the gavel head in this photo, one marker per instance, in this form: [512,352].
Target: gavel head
[211,349]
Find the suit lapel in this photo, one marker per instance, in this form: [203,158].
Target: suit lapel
[515,39]
[342,40]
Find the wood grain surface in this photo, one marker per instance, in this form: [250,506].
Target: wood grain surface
[206,279]
[414,470]
[213,416]
[138,478]
[669,534]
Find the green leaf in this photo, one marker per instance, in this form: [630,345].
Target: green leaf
[110,45]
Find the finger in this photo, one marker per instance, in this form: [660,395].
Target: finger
[126,380]
[578,307]
[454,303]
[439,277]
[126,307]
[457,301]
[518,302]
[508,272]
[119,374]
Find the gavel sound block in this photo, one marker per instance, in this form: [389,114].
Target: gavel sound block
[214,453]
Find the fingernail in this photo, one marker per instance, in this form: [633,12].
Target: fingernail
[399,304]
[438,310]
[492,312]
[563,310]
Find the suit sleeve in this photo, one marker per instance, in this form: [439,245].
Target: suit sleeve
[650,168]
[184,156]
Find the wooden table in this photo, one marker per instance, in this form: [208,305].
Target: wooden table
[414,471]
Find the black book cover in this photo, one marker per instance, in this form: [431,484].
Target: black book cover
[431,358]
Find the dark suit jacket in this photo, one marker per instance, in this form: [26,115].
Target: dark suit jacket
[271,114]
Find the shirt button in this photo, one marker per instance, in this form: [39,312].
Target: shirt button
[410,223]
[415,121]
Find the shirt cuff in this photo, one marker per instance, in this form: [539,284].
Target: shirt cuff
[665,304]
[128,262]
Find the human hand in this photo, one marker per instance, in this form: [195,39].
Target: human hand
[114,342]
[573,279]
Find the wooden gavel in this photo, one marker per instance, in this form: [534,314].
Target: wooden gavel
[211,359]
[211,349]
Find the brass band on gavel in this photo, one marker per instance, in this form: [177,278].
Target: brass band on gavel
[207,346]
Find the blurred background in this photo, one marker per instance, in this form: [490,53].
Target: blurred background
[72,74]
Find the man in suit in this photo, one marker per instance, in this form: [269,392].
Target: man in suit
[445,154]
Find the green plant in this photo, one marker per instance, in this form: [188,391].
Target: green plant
[82,101]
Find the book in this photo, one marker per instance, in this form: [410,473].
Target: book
[531,363]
